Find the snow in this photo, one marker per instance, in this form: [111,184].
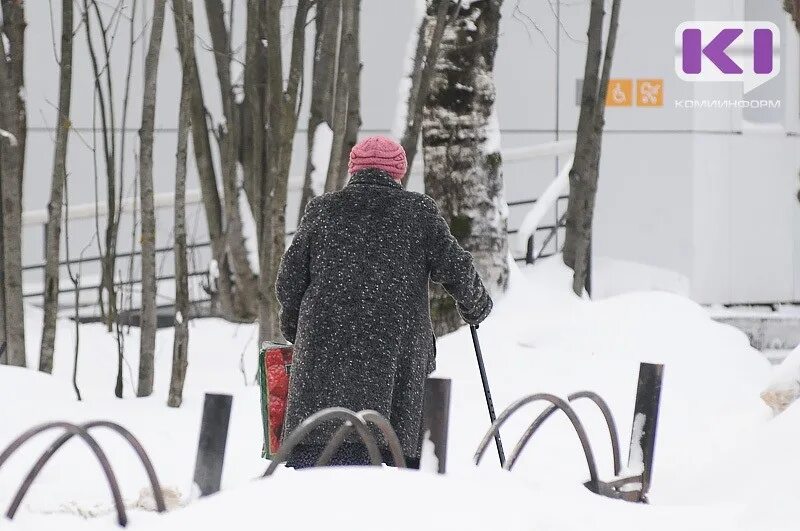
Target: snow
[784,387]
[492,143]
[721,460]
[11,138]
[320,157]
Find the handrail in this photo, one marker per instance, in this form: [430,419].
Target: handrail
[543,205]
[194,197]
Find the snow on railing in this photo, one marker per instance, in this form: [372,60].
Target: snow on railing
[543,204]
[193,197]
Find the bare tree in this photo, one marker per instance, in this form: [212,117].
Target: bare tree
[13,132]
[280,111]
[327,20]
[147,323]
[584,174]
[460,140]
[105,96]
[183,11]
[244,279]
[347,87]
[53,228]
[427,53]
[75,278]
[353,122]
[233,304]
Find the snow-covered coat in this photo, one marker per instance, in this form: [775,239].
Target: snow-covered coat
[353,289]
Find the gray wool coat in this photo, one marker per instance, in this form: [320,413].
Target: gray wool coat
[353,290]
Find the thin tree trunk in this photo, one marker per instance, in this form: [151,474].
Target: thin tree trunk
[281,113]
[12,145]
[583,141]
[583,246]
[252,152]
[14,28]
[421,79]
[353,123]
[585,169]
[3,344]
[147,323]
[181,340]
[327,26]
[53,228]
[245,281]
[76,282]
[345,80]
[207,176]
[461,150]
[108,121]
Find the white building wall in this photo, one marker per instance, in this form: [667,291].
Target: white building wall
[700,202]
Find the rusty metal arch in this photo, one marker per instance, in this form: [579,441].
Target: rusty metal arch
[305,427]
[547,413]
[122,517]
[557,402]
[369,417]
[158,495]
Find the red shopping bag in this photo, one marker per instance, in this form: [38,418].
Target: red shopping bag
[274,365]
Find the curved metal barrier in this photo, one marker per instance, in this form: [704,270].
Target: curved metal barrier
[81,432]
[633,488]
[370,418]
[308,425]
[547,413]
[158,495]
[558,403]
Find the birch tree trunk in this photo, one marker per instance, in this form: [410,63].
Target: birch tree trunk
[427,53]
[147,321]
[53,228]
[322,87]
[461,149]
[181,339]
[12,153]
[584,174]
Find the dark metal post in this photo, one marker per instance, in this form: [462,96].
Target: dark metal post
[489,404]
[645,419]
[436,417]
[529,258]
[213,439]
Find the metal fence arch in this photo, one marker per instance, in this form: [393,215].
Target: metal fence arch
[557,403]
[547,413]
[74,429]
[308,425]
[155,485]
[369,417]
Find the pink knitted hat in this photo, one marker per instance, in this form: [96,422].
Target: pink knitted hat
[381,153]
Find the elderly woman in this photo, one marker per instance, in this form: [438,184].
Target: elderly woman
[353,289]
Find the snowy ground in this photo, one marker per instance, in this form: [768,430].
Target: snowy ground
[721,461]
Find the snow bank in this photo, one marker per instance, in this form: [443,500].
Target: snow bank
[716,440]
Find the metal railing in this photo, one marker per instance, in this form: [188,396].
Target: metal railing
[532,230]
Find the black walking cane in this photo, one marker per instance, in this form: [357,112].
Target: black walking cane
[474,330]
